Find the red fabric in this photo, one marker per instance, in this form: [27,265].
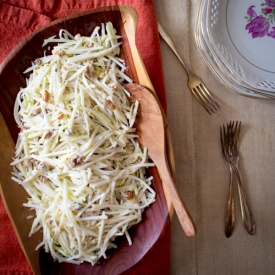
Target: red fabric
[18,19]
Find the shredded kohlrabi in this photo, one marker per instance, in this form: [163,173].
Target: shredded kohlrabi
[77,155]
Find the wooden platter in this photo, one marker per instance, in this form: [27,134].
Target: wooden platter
[156,218]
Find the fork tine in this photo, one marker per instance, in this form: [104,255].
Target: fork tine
[229,136]
[223,139]
[238,126]
[201,100]
[209,97]
[204,97]
[231,132]
[235,131]
[203,94]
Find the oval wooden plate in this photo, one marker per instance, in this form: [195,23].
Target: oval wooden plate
[155,219]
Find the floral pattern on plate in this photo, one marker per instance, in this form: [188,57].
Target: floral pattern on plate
[259,25]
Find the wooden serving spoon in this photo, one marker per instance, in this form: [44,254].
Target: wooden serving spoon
[151,132]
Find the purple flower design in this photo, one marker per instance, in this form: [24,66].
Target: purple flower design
[258,26]
[251,12]
[272,33]
[270,3]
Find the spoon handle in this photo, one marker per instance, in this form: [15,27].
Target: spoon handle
[180,208]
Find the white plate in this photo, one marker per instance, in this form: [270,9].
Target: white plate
[211,61]
[227,72]
[247,50]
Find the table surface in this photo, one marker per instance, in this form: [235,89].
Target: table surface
[202,175]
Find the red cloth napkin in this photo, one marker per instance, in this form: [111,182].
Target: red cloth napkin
[20,18]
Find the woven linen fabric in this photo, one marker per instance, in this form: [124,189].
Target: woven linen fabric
[202,174]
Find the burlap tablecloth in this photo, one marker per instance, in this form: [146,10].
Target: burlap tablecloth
[202,175]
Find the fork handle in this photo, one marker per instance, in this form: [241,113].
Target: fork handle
[230,213]
[169,42]
[247,216]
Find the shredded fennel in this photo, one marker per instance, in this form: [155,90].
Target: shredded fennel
[76,154]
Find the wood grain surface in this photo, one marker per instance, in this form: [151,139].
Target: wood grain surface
[150,125]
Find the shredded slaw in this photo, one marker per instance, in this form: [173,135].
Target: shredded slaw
[77,155]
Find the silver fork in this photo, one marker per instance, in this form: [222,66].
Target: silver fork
[195,83]
[225,136]
[231,156]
